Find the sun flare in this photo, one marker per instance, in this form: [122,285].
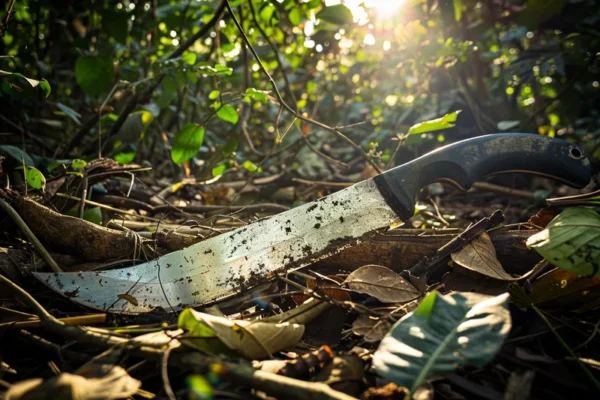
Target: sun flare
[383,8]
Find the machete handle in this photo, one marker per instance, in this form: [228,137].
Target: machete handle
[471,160]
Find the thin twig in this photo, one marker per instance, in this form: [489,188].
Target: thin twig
[328,128]
[133,100]
[6,19]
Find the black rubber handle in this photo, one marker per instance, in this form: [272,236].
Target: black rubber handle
[471,160]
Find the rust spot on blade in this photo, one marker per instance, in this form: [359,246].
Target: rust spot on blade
[72,293]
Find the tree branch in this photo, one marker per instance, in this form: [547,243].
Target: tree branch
[328,128]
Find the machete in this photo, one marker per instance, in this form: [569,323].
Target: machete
[228,264]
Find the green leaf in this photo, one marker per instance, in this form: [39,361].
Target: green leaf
[189,58]
[214,94]
[35,178]
[338,14]
[55,164]
[187,143]
[78,164]
[125,157]
[169,84]
[447,121]
[14,83]
[228,113]
[94,74]
[442,334]
[45,86]
[74,115]
[294,16]
[249,166]
[269,13]
[93,215]
[223,69]
[220,169]
[571,241]
[258,95]
[16,153]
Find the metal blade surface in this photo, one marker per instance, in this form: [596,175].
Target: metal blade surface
[226,264]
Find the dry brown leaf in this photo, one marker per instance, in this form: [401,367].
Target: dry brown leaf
[372,330]
[479,255]
[382,283]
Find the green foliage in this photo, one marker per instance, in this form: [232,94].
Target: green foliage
[68,111]
[228,113]
[34,177]
[94,74]
[124,157]
[258,95]
[93,215]
[78,164]
[571,241]
[15,84]
[443,333]
[446,122]
[16,154]
[338,14]
[389,68]
[187,143]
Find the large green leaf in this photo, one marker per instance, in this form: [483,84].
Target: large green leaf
[228,113]
[447,121]
[16,84]
[95,74]
[17,154]
[571,241]
[294,16]
[35,178]
[443,333]
[338,14]
[187,143]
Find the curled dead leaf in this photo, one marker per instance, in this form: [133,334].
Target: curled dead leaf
[479,255]
[382,283]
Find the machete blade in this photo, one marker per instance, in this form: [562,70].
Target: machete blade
[224,265]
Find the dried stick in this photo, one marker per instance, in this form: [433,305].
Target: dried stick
[457,243]
[30,235]
[240,373]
